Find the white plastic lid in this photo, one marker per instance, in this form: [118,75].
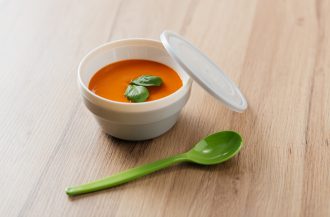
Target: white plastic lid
[203,71]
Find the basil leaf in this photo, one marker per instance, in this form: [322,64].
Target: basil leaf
[136,93]
[147,81]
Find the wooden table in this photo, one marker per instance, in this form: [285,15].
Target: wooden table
[278,52]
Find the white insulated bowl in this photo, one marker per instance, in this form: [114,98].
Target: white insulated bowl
[132,121]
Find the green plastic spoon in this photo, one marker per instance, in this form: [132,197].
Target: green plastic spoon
[213,149]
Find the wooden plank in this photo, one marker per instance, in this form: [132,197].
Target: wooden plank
[277,51]
[42,42]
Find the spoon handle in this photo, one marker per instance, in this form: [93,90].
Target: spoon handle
[125,176]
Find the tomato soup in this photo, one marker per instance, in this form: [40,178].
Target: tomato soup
[112,80]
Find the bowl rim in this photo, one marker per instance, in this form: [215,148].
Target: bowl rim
[124,42]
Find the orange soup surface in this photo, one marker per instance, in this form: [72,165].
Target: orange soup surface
[112,80]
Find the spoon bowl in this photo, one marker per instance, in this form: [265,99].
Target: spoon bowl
[216,148]
[213,149]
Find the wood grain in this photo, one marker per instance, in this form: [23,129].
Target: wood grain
[278,52]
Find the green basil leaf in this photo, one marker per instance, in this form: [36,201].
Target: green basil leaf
[147,81]
[136,93]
